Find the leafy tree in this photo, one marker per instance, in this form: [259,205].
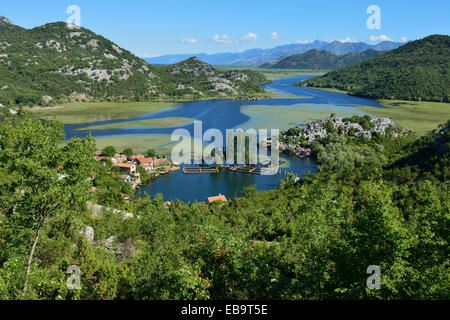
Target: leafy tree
[128,152]
[49,178]
[151,153]
[109,151]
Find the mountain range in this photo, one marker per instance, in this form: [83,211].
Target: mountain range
[60,62]
[321,60]
[256,57]
[419,70]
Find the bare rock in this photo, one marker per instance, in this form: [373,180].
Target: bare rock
[46,99]
[88,232]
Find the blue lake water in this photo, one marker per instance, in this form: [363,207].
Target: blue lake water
[190,187]
[228,114]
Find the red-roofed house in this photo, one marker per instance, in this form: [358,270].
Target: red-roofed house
[162,162]
[120,157]
[137,157]
[126,167]
[149,169]
[103,158]
[220,197]
[146,162]
[305,152]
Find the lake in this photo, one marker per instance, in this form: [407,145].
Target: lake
[310,104]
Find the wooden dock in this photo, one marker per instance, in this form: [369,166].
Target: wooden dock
[250,169]
[200,170]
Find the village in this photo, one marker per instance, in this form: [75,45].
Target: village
[128,166]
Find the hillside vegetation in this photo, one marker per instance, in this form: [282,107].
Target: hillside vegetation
[419,70]
[382,201]
[322,60]
[55,62]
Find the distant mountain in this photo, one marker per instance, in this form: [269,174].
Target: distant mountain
[256,57]
[75,63]
[419,70]
[322,60]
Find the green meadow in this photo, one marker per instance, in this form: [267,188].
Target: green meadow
[280,95]
[329,89]
[85,112]
[140,143]
[164,122]
[284,73]
[421,117]
[275,73]
[285,117]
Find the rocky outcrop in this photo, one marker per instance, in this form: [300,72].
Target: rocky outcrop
[296,140]
[46,99]
[88,232]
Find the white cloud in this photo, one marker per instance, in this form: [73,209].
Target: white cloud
[249,37]
[222,39]
[403,39]
[304,41]
[189,40]
[380,38]
[347,40]
[274,35]
[149,55]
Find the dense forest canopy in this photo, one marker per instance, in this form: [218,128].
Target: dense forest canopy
[419,70]
[309,239]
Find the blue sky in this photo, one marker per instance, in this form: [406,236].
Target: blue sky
[155,27]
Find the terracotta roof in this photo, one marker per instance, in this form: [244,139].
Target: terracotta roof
[124,165]
[146,160]
[137,156]
[103,158]
[220,197]
[163,160]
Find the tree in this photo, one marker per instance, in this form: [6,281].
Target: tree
[151,152]
[289,180]
[128,152]
[50,179]
[109,151]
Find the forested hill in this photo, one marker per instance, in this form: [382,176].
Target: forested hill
[323,60]
[61,62]
[419,70]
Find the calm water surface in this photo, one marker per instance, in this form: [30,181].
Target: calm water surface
[226,114]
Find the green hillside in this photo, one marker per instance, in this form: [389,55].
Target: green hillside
[419,70]
[77,64]
[323,60]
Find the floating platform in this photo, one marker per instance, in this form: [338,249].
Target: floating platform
[200,170]
[253,169]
